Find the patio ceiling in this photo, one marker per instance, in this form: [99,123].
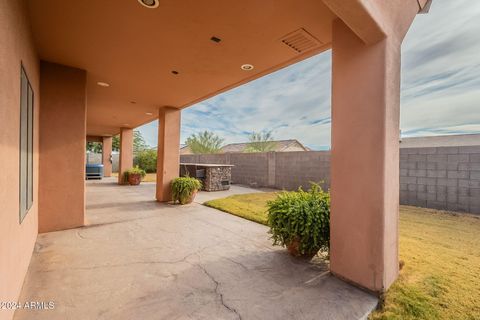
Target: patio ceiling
[135,49]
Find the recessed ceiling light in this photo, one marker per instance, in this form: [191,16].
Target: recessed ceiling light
[149,3]
[175,72]
[133,102]
[246,67]
[103,84]
[125,124]
[215,39]
[148,113]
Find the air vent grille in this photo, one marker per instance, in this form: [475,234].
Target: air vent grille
[300,41]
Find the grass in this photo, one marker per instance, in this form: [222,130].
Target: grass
[441,255]
[251,206]
[150,177]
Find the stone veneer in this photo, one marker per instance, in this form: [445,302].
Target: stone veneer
[214,176]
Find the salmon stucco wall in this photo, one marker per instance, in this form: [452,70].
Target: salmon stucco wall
[62,147]
[16,239]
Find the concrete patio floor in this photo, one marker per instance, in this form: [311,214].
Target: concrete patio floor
[139,259]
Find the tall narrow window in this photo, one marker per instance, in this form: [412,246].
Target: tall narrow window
[26,145]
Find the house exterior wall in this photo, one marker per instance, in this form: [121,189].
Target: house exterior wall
[62,147]
[16,239]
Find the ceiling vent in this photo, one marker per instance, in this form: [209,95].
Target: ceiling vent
[300,41]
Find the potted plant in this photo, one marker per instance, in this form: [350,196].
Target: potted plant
[184,189]
[300,221]
[134,176]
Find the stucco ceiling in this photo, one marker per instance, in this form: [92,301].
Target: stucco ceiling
[135,49]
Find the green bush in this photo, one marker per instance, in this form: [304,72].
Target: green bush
[147,160]
[134,170]
[183,188]
[302,216]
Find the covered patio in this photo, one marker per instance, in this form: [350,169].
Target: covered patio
[140,259]
[77,71]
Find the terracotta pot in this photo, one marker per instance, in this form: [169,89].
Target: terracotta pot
[134,179]
[191,198]
[294,249]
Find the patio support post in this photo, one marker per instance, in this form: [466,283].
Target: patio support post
[106,156]
[168,151]
[366,46]
[365,159]
[62,131]
[126,153]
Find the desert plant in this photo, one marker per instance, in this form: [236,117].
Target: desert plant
[134,170]
[302,219]
[183,189]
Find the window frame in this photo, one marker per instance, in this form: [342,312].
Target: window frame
[26,144]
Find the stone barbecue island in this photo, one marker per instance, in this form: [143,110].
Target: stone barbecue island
[214,177]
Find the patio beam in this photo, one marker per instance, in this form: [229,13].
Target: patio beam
[374,20]
[126,153]
[168,151]
[106,156]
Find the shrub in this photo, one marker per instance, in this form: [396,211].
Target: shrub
[183,188]
[302,217]
[134,170]
[147,160]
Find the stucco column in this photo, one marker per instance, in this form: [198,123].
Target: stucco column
[106,156]
[168,151]
[365,159]
[125,161]
[62,127]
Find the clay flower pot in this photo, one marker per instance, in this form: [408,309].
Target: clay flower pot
[294,249]
[191,198]
[134,179]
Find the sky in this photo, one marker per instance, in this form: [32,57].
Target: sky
[440,88]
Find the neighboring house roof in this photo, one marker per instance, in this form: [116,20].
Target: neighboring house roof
[185,150]
[441,141]
[280,146]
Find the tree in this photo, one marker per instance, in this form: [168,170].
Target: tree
[146,160]
[95,147]
[204,142]
[261,142]
[139,143]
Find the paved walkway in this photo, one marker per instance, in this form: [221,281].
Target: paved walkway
[139,259]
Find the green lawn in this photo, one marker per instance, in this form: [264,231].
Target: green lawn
[251,206]
[441,254]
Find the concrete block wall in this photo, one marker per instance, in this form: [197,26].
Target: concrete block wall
[445,178]
[280,170]
[298,169]
[250,168]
